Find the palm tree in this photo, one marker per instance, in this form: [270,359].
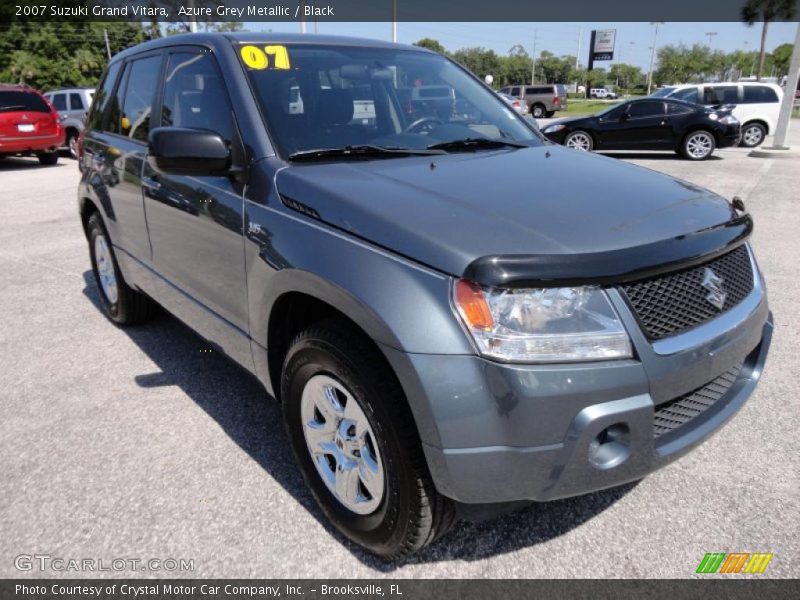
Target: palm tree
[766,11]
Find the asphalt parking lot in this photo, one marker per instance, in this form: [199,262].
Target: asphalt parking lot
[137,444]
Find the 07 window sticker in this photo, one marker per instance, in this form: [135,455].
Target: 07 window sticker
[268,57]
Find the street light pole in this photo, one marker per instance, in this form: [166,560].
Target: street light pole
[710,35]
[652,56]
[785,114]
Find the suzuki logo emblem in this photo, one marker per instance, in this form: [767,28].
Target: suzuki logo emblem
[713,283]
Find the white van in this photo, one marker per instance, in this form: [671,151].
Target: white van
[757,104]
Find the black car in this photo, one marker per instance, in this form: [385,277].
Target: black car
[651,124]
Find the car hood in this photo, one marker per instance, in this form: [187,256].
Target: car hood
[450,210]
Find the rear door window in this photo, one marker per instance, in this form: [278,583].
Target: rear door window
[76,102]
[759,94]
[140,87]
[103,97]
[678,109]
[12,101]
[720,94]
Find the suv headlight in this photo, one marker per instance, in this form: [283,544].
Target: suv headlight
[542,324]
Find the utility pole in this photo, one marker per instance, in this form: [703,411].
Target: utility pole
[710,35]
[533,60]
[652,56]
[108,46]
[394,21]
[302,16]
[785,114]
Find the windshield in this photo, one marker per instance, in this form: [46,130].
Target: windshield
[323,97]
[662,92]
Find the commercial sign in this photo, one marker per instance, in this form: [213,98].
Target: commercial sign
[603,48]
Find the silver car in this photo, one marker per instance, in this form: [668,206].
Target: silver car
[72,105]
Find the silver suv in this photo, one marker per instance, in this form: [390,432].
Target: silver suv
[72,105]
[543,100]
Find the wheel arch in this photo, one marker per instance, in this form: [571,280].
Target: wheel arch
[760,120]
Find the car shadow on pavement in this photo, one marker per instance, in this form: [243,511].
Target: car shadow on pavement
[27,164]
[252,419]
[654,156]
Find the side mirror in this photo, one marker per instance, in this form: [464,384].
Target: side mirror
[188,151]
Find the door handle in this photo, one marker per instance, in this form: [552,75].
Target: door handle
[151,184]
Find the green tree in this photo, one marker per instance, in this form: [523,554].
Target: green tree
[766,11]
[625,75]
[781,57]
[480,61]
[431,44]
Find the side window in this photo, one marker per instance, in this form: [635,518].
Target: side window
[195,94]
[75,102]
[514,92]
[688,94]
[60,101]
[757,94]
[721,94]
[102,97]
[645,109]
[134,121]
[677,109]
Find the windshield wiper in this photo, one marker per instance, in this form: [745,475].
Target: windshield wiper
[359,151]
[475,143]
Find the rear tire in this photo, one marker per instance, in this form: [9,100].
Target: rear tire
[72,143]
[753,135]
[538,111]
[698,145]
[121,303]
[393,509]
[48,158]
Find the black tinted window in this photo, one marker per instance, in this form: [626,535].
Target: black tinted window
[723,94]
[60,101]
[645,109]
[688,94]
[678,109]
[140,88]
[75,102]
[18,101]
[514,91]
[195,95]
[754,94]
[102,97]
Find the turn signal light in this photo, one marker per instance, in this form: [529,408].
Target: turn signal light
[472,305]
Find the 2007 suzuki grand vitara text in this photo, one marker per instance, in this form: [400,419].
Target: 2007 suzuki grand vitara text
[438,338]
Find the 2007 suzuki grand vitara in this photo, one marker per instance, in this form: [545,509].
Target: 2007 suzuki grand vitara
[438,337]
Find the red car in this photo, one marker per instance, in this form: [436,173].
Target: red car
[28,125]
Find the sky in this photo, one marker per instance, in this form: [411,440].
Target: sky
[633,40]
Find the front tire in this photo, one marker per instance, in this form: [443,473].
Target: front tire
[698,145]
[579,140]
[121,303]
[753,135]
[355,441]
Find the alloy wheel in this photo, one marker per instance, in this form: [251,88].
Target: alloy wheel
[342,444]
[105,269]
[699,145]
[753,136]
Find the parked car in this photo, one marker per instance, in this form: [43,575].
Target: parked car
[515,103]
[755,105]
[650,124]
[542,100]
[602,93]
[72,105]
[29,125]
[439,344]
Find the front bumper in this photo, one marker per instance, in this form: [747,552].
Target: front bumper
[503,432]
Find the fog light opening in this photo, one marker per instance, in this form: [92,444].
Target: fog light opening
[611,447]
